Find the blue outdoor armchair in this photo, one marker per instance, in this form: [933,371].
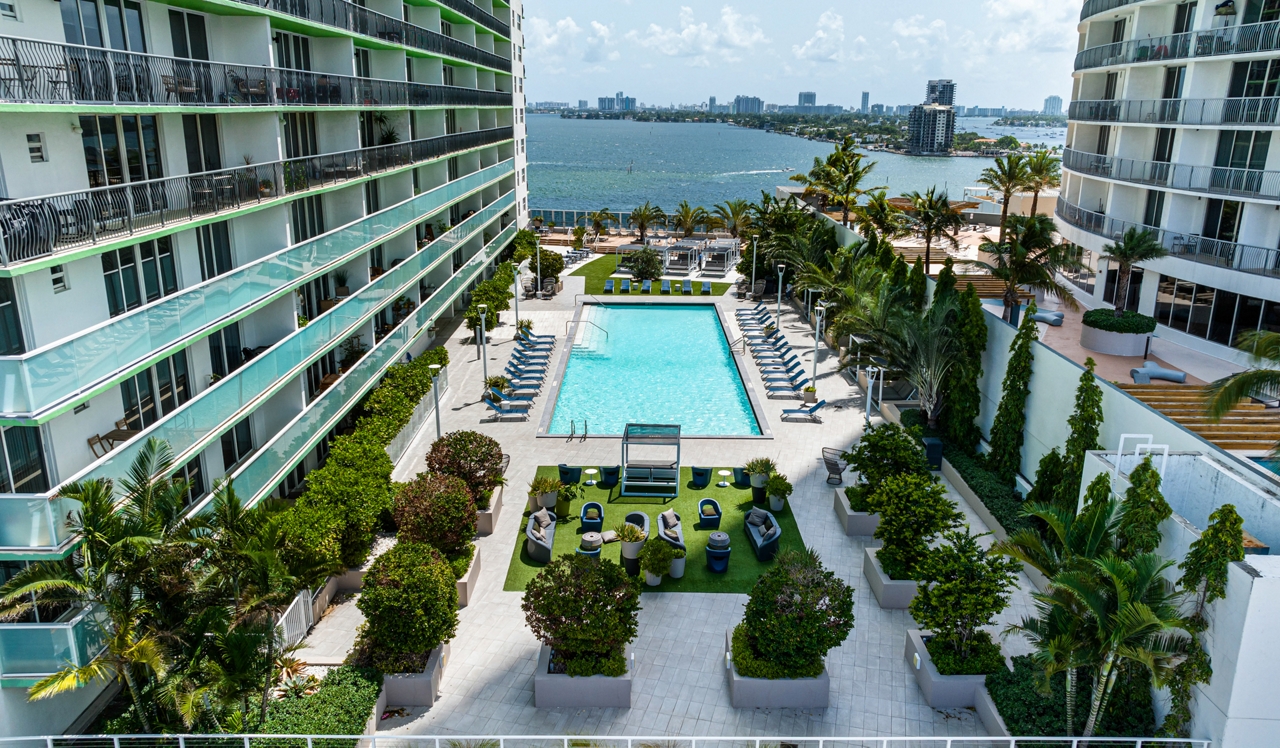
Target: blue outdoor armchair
[701,477]
[709,521]
[570,474]
[589,524]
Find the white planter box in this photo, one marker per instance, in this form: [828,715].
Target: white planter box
[677,567]
[854,523]
[940,691]
[988,713]
[777,503]
[632,550]
[892,594]
[653,580]
[417,689]
[558,690]
[487,519]
[548,500]
[779,693]
[467,585]
[1114,343]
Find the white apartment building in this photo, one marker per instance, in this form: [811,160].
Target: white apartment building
[220,222]
[1174,106]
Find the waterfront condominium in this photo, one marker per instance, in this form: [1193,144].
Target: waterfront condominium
[1171,120]
[222,220]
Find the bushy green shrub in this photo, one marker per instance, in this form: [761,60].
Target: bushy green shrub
[656,557]
[1005,457]
[552,262]
[472,457]
[495,294]
[884,451]
[340,706]
[1027,711]
[389,407]
[1129,322]
[984,656]
[436,509]
[645,264]
[1004,502]
[587,611]
[796,613]
[354,484]
[410,606]
[913,509]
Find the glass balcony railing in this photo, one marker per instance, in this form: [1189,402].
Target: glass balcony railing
[268,466]
[477,14]
[37,227]
[1094,7]
[34,650]
[1260,110]
[33,71]
[1243,257]
[1213,180]
[361,20]
[76,365]
[1247,39]
[34,522]
[197,423]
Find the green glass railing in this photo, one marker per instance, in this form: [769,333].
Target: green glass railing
[30,521]
[76,365]
[268,466]
[191,427]
[32,650]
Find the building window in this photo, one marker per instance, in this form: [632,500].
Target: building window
[225,352]
[372,201]
[58,275]
[132,274]
[214,245]
[139,401]
[118,149]
[1084,277]
[9,10]
[362,63]
[446,28]
[1135,288]
[1215,315]
[25,469]
[236,444]
[174,380]
[193,474]
[200,135]
[307,217]
[35,148]
[293,52]
[10,325]
[446,73]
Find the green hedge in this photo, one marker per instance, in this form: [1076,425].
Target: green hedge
[1004,503]
[341,706]
[1028,712]
[1129,322]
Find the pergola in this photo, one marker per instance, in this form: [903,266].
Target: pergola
[721,255]
[650,477]
[683,256]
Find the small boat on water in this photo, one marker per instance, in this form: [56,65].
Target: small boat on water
[788,169]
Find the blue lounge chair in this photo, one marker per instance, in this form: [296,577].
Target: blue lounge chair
[608,286]
[666,286]
[784,367]
[701,477]
[534,354]
[626,285]
[592,525]
[788,388]
[570,474]
[515,371]
[706,288]
[531,360]
[687,288]
[526,339]
[709,521]
[810,412]
[759,307]
[534,336]
[504,397]
[740,477]
[789,377]
[646,286]
[509,409]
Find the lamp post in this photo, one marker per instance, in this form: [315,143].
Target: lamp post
[779,320]
[435,390]
[820,309]
[753,268]
[538,254]
[520,271]
[484,348]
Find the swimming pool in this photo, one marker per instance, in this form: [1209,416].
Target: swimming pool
[652,363]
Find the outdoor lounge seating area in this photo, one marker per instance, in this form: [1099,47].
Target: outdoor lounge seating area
[780,366]
[526,371]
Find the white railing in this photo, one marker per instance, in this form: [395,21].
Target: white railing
[297,620]
[588,741]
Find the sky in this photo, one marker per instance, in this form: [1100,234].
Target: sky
[1010,53]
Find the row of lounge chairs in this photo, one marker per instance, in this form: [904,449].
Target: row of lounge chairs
[526,371]
[781,369]
[574,256]
[686,288]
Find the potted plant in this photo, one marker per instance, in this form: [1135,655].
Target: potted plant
[632,539]
[340,279]
[655,560]
[797,612]
[477,460]
[545,490]
[266,188]
[778,488]
[501,384]
[810,394]
[759,469]
[913,509]
[884,451]
[524,327]
[677,562]
[569,493]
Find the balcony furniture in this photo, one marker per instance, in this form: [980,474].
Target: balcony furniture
[99,447]
[589,524]
[119,435]
[178,87]
[763,532]
[740,477]
[709,514]
[724,478]
[833,459]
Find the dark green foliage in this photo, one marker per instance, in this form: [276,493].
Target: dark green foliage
[471,456]
[984,656]
[1086,424]
[886,257]
[1142,511]
[857,497]
[495,294]
[1004,502]
[645,264]
[945,285]
[884,451]
[913,509]
[436,509]
[917,288]
[748,663]
[796,613]
[961,589]
[656,556]
[353,485]
[1005,458]
[960,388]
[526,240]
[1099,491]
[552,262]
[1027,711]
[340,706]
[1129,322]
[1048,479]
[410,606]
[389,407]
[898,273]
[587,611]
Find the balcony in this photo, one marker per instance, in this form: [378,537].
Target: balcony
[38,227]
[1251,111]
[1193,247]
[1235,40]
[1211,180]
[1094,7]
[79,365]
[30,651]
[475,13]
[33,522]
[38,72]
[359,20]
[266,468]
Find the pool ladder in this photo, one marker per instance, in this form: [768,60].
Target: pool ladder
[573,430]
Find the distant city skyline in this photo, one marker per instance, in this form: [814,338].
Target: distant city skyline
[1012,53]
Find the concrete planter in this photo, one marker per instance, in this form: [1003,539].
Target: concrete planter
[758,480]
[379,706]
[940,691]
[985,514]
[467,585]
[677,568]
[1114,343]
[653,580]
[989,714]
[780,693]
[854,523]
[487,519]
[558,690]
[891,594]
[417,689]
[632,550]
[776,503]
[548,500]
[351,580]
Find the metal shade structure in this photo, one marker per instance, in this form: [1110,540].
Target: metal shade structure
[650,477]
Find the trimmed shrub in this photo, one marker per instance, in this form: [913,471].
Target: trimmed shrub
[354,484]
[913,509]
[340,706]
[1026,710]
[471,456]
[1129,322]
[885,451]
[587,611]
[436,509]
[645,264]
[389,407]
[410,605]
[552,263]
[960,394]
[495,293]
[1004,503]
[984,655]
[1005,457]
[797,612]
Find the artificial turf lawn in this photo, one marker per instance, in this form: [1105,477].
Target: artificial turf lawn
[598,271]
[735,502]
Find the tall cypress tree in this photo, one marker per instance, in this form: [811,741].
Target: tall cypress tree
[946,283]
[1142,511]
[1005,458]
[960,388]
[1085,423]
[898,276]
[886,256]
[917,287]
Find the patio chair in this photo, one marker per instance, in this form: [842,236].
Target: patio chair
[541,345]
[626,285]
[506,409]
[760,307]
[785,389]
[740,477]
[763,532]
[640,520]
[666,286]
[687,288]
[701,477]
[532,336]
[706,288]
[709,514]
[810,412]
[609,475]
[646,286]
[833,459]
[570,474]
[608,286]
[540,535]
[504,397]
[668,525]
[530,355]
[590,524]
[1152,370]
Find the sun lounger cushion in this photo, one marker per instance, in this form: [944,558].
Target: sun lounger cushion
[669,517]
[708,510]
[593,513]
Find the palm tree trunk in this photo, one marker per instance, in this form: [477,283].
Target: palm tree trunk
[271,666]
[1035,198]
[1004,215]
[1099,694]
[1010,305]
[845,220]
[1071,701]
[927,241]
[1122,288]
[124,669]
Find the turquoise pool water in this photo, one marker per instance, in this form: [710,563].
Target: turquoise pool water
[663,363]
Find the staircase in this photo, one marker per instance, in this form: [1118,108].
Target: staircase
[1250,426]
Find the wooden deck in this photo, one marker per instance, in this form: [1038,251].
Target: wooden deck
[1251,426]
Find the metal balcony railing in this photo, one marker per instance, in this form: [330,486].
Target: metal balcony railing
[477,14]
[1252,111]
[1243,257]
[1094,7]
[1246,39]
[1212,180]
[33,71]
[353,18]
[34,650]
[36,227]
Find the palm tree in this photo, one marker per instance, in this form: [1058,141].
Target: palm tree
[1061,644]
[645,216]
[599,220]
[1134,247]
[688,218]
[920,345]
[879,215]
[820,182]
[1261,381]
[1007,177]
[934,218]
[734,215]
[1029,259]
[1044,172]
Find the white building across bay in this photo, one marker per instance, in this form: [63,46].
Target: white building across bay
[207,207]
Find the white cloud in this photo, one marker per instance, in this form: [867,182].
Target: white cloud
[564,46]
[828,43]
[701,41]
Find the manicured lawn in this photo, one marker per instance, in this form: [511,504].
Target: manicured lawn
[735,501]
[598,271]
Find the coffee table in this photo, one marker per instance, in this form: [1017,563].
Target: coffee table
[591,472]
[724,478]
